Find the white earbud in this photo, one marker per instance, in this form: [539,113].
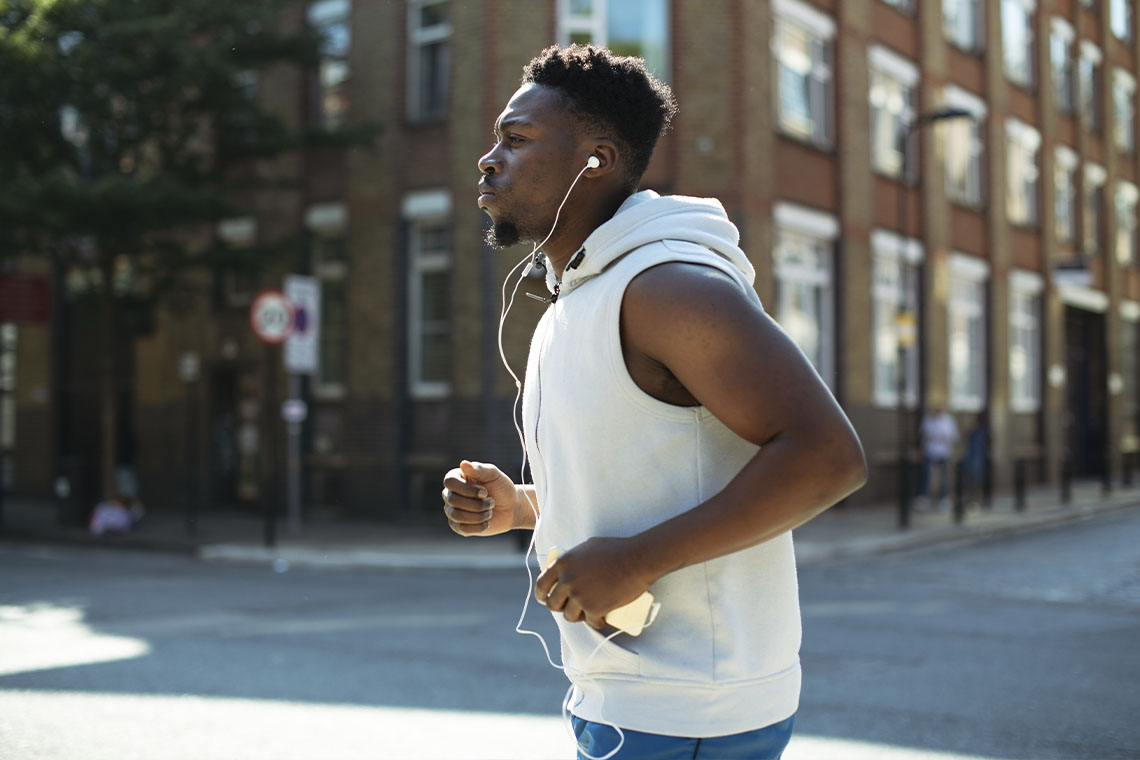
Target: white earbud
[593,163]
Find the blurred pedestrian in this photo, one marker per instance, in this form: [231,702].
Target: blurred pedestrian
[939,436]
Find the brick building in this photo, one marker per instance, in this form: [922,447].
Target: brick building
[1005,225]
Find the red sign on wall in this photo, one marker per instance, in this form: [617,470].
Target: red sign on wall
[25,299]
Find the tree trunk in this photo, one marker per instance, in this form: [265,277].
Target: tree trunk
[108,381]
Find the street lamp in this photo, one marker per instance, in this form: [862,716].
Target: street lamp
[907,321]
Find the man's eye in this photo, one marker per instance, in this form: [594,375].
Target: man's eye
[514,139]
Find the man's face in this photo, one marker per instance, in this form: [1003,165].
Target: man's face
[528,171]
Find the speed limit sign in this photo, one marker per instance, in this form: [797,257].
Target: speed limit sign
[271,317]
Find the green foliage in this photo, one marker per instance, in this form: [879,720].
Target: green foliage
[134,122]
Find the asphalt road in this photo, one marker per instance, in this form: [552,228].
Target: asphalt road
[1025,647]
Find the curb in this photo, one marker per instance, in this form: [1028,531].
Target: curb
[281,558]
[809,553]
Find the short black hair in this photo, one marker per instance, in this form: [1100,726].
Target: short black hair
[615,95]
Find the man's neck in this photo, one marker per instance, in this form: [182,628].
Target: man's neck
[561,249]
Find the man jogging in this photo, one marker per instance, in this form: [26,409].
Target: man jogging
[676,435]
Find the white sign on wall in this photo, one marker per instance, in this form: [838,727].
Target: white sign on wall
[302,347]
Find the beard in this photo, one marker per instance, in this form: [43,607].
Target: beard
[503,235]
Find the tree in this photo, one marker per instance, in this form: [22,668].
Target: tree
[128,129]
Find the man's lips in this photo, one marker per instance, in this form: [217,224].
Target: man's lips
[486,194]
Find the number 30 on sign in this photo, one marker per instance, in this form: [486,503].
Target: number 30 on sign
[271,315]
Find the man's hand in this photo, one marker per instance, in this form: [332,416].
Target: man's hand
[479,500]
[593,579]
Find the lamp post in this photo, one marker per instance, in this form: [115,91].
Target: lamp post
[906,320]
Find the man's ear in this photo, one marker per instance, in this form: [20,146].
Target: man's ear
[607,154]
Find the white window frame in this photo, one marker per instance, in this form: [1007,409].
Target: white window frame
[1025,322]
[886,158]
[1064,73]
[794,18]
[968,277]
[595,26]
[328,221]
[422,209]
[1124,204]
[904,258]
[1066,191]
[418,37]
[1017,60]
[1123,110]
[822,228]
[966,28]
[1089,88]
[1093,205]
[967,134]
[1120,19]
[1023,173]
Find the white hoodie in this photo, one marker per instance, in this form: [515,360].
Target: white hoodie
[610,460]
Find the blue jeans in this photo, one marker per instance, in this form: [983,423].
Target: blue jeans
[598,739]
[943,471]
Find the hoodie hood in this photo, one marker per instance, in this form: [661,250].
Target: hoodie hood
[646,217]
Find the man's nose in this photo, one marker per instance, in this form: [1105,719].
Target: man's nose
[489,164]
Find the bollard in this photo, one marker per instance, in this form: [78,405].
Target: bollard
[1126,469]
[988,483]
[959,495]
[1105,475]
[1019,484]
[1066,482]
[904,494]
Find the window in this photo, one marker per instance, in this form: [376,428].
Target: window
[1061,64]
[330,260]
[1093,208]
[964,148]
[802,265]
[234,287]
[1125,202]
[629,27]
[895,271]
[1130,370]
[1025,341]
[429,59]
[1088,85]
[1120,18]
[1017,40]
[327,224]
[962,23]
[429,293]
[906,6]
[1022,145]
[802,45]
[893,81]
[1123,110]
[1065,194]
[9,334]
[967,327]
[331,19]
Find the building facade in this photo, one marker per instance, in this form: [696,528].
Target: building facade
[964,170]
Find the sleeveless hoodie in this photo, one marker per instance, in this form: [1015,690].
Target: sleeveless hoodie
[610,460]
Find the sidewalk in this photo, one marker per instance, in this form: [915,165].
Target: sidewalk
[841,532]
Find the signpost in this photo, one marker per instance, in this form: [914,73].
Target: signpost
[271,317]
[292,319]
[302,357]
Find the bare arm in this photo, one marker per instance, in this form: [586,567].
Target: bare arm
[732,358]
